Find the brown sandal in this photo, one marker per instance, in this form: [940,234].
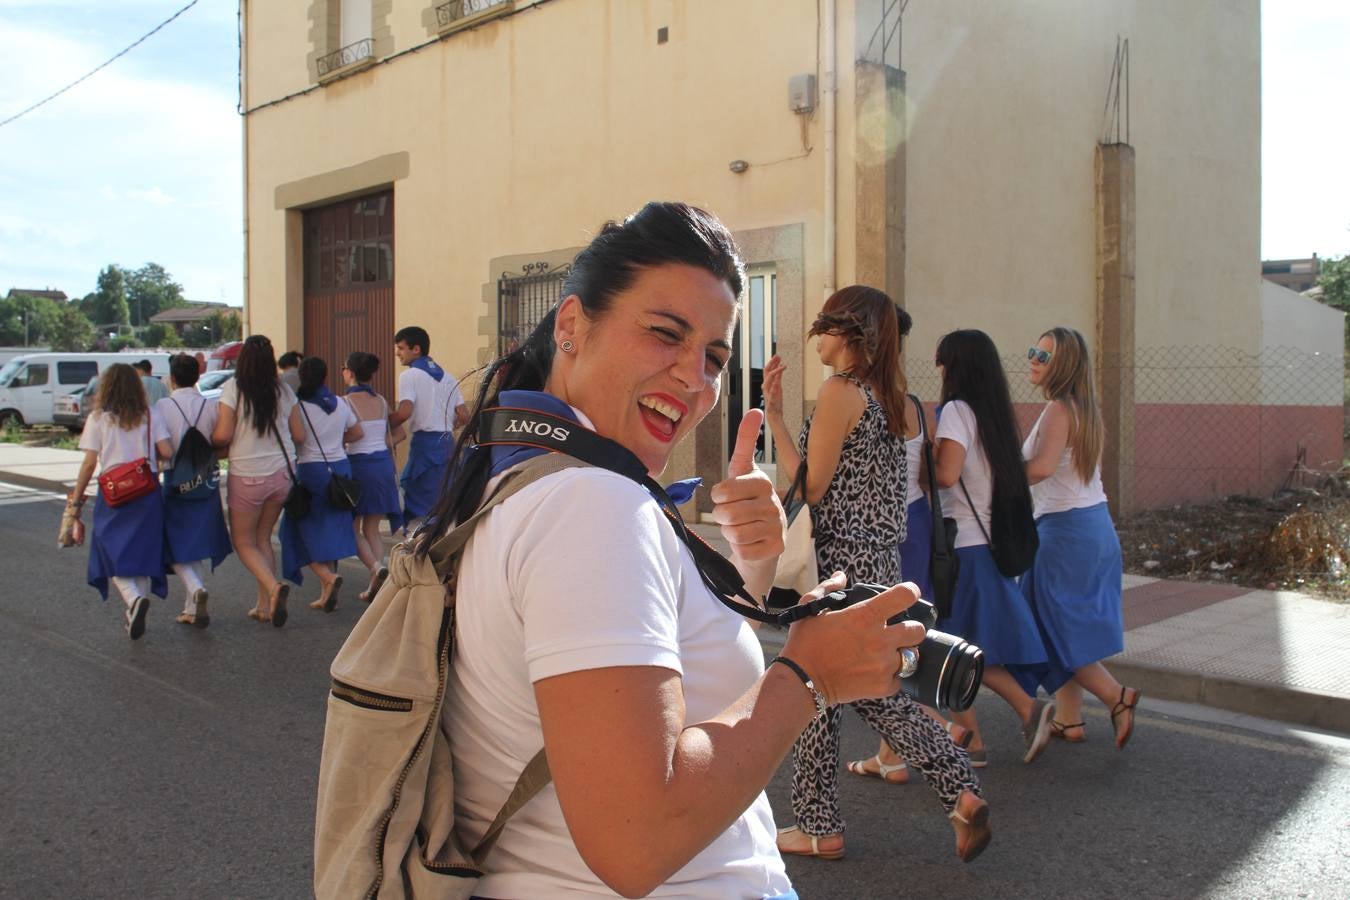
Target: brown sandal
[975,817]
[1121,708]
[1060,730]
[328,597]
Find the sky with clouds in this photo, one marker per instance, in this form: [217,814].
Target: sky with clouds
[142,161]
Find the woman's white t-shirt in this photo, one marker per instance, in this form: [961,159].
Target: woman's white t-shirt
[1063,490]
[254,455]
[957,423]
[116,445]
[581,570]
[324,430]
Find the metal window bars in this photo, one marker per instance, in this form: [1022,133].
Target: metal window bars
[347,56]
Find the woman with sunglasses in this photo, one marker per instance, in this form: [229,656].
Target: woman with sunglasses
[853,447]
[583,625]
[1074,584]
[979,466]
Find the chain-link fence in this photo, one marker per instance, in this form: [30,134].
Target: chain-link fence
[1210,421]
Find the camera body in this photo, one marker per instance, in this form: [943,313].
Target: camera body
[950,668]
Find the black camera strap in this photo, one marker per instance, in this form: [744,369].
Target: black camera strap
[511,426]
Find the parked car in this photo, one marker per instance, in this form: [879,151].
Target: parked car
[31,384]
[72,410]
[212,383]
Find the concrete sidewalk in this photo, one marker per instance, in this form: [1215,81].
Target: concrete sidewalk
[1273,654]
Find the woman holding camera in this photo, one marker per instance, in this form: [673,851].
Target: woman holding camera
[323,535]
[122,430]
[1074,584]
[853,447]
[601,643]
[979,465]
[257,417]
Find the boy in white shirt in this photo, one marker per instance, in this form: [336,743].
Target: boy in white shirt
[430,400]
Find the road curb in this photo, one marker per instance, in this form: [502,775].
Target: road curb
[40,484]
[1283,703]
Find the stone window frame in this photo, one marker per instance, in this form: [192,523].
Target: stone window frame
[325,34]
[431,18]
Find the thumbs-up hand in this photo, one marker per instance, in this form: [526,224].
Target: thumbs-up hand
[747,508]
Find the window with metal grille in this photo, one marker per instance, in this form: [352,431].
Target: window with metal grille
[523,300]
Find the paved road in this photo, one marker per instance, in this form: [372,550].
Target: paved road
[184,765]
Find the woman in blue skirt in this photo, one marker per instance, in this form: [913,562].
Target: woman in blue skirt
[122,430]
[324,535]
[979,461]
[372,462]
[1074,584]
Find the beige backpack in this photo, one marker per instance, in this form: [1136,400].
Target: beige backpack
[385,822]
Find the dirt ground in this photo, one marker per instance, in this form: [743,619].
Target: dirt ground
[1299,540]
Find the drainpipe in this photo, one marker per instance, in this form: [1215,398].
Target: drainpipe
[243,130]
[828,113]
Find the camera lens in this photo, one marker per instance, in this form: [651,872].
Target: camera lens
[949,673]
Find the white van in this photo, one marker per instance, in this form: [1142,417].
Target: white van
[29,385]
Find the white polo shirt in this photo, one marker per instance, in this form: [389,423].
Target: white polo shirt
[434,402]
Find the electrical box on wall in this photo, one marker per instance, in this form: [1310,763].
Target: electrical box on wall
[802,93]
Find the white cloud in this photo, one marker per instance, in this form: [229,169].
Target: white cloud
[154,196]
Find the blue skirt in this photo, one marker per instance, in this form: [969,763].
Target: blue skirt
[128,541]
[1074,590]
[325,534]
[989,611]
[428,455]
[194,529]
[379,486]
[917,547]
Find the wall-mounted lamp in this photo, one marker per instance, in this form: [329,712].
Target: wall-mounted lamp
[738,166]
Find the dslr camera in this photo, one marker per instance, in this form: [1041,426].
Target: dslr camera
[948,670]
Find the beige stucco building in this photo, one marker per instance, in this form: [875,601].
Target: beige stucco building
[413,162]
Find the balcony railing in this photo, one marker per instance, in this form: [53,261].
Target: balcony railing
[349,55]
[448,14]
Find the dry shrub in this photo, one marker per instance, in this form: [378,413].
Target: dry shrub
[1309,542]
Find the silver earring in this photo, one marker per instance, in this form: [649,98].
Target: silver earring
[567,346]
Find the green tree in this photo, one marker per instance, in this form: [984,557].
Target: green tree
[1335,282]
[74,331]
[109,306]
[27,321]
[159,335]
[150,290]
[217,328]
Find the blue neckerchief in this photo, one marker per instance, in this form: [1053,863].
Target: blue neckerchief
[323,398]
[505,456]
[426,365]
[361,389]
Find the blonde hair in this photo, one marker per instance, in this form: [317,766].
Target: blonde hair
[1068,379]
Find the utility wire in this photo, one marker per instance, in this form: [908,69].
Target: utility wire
[95,70]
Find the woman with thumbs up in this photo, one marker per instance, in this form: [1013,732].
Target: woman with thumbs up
[583,624]
[853,447]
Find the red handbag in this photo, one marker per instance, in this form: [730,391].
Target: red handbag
[130,480]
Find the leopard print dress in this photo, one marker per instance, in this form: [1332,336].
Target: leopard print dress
[858,526]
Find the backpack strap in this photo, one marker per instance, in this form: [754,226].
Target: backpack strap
[535,777]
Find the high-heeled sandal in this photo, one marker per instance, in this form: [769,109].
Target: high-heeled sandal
[974,817]
[1120,709]
[859,767]
[815,844]
[1060,730]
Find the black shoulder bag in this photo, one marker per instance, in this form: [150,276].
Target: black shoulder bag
[943,564]
[297,500]
[343,493]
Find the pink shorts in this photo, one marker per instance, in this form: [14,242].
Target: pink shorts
[245,494]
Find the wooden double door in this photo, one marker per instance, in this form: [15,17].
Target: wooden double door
[349,285]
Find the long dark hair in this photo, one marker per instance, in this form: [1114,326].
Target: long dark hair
[255,372]
[865,318]
[658,234]
[973,372]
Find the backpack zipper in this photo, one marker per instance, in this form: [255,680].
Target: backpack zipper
[442,669]
[369,699]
